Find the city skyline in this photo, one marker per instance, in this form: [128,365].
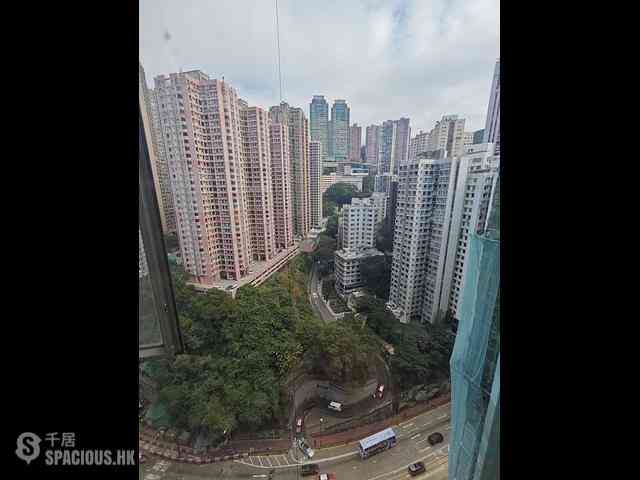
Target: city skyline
[442,55]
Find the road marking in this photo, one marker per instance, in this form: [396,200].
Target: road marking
[285,459]
[402,468]
[407,426]
[260,460]
[262,475]
[415,436]
[266,459]
[425,449]
[276,460]
[442,416]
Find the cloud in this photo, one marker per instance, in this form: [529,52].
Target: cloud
[388,59]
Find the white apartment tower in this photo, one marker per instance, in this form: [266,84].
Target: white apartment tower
[299,155]
[379,200]
[448,134]
[281,185]
[315,175]
[423,213]
[418,144]
[477,178]
[357,223]
[202,137]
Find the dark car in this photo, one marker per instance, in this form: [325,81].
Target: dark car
[416,468]
[309,469]
[434,438]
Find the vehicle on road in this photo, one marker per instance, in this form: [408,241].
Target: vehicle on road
[299,425]
[335,406]
[306,449]
[434,438]
[416,468]
[380,391]
[377,443]
[309,469]
[327,476]
[141,458]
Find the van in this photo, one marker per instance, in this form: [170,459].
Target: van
[335,406]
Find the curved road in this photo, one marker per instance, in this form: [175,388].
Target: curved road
[315,296]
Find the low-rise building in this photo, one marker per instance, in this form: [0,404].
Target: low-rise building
[347,268]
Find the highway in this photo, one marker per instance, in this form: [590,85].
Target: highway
[342,460]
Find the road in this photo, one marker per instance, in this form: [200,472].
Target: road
[342,460]
[315,296]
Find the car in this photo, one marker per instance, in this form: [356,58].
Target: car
[434,438]
[416,468]
[327,476]
[141,458]
[335,406]
[380,391]
[306,449]
[309,469]
[299,425]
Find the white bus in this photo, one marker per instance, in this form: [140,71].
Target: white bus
[377,443]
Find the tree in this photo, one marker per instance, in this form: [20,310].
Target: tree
[325,249]
[376,273]
[340,193]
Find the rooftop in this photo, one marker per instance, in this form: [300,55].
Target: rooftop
[357,254]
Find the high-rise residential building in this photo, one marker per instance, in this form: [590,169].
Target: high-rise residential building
[418,144]
[319,123]
[357,222]
[299,153]
[448,134]
[403,136]
[379,200]
[255,134]
[387,153]
[474,448]
[315,174]
[363,154]
[340,130]
[356,240]
[467,138]
[281,185]
[477,177]
[355,142]
[330,156]
[159,167]
[421,235]
[327,180]
[372,143]
[492,127]
[202,137]
[392,199]
[478,136]
[382,182]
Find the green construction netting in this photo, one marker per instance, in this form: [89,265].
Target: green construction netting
[475,372]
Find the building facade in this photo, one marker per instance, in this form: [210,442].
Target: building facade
[347,268]
[340,132]
[319,122]
[327,180]
[478,136]
[372,143]
[315,174]
[379,200]
[492,127]
[356,224]
[423,213]
[418,144]
[355,142]
[403,136]
[202,137]
[448,134]
[468,139]
[474,450]
[157,156]
[282,185]
[298,125]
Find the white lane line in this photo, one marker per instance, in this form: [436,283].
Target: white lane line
[423,440]
[260,460]
[425,449]
[251,459]
[407,426]
[415,436]
[285,460]
[276,459]
[266,459]
[442,416]
[393,472]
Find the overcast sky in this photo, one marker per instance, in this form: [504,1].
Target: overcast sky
[414,58]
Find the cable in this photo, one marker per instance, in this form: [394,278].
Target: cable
[278,43]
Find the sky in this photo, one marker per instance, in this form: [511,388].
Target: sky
[388,59]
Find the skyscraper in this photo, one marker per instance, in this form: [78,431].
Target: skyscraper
[403,135]
[159,167]
[492,127]
[299,153]
[315,174]
[255,131]
[478,136]
[355,142]
[202,137]
[418,144]
[387,155]
[372,143]
[448,134]
[282,185]
[423,214]
[319,123]
[340,130]
[474,450]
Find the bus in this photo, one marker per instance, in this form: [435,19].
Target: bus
[377,443]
